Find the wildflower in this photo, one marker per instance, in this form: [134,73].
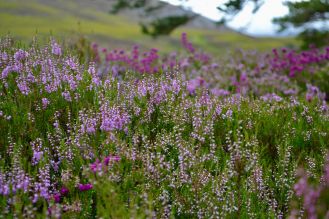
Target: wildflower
[94,167]
[45,103]
[85,187]
[37,155]
[56,49]
[6,71]
[301,186]
[111,158]
[57,197]
[64,191]
[194,84]
[219,92]
[67,96]
[20,55]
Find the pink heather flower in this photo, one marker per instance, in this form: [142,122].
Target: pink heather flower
[115,158]
[243,77]
[326,171]
[184,64]
[85,187]
[301,186]
[94,167]
[309,97]
[94,45]
[214,66]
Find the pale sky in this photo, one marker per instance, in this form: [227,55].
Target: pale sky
[258,24]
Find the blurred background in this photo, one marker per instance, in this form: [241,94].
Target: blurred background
[215,26]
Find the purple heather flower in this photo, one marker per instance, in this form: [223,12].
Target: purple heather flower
[271,97]
[45,103]
[23,87]
[113,119]
[301,186]
[56,49]
[6,71]
[57,197]
[85,187]
[37,155]
[20,55]
[194,84]
[94,167]
[309,97]
[71,63]
[219,92]
[67,96]
[115,70]
[290,92]
[115,158]
[243,77]
[64,191]
[6,189]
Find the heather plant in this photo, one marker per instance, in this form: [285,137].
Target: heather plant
[313,201]
[283,71]
[131,135]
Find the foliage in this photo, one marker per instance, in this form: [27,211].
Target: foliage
[165,25]
[122,4]
[307,14]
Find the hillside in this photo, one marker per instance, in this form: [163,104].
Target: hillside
[91,19]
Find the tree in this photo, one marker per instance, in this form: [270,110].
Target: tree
[306,15]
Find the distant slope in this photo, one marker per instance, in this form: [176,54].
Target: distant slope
[69,19]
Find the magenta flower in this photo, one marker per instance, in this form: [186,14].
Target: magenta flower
[111,158]
[85,187]
[64,191]
[94,167]
[57,197]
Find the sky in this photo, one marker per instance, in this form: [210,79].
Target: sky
[258,24]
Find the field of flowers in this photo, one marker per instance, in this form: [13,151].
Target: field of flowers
[134,134]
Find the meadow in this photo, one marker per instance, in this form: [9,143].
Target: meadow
[134,133]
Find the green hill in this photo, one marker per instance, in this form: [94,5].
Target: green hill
[68,20]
